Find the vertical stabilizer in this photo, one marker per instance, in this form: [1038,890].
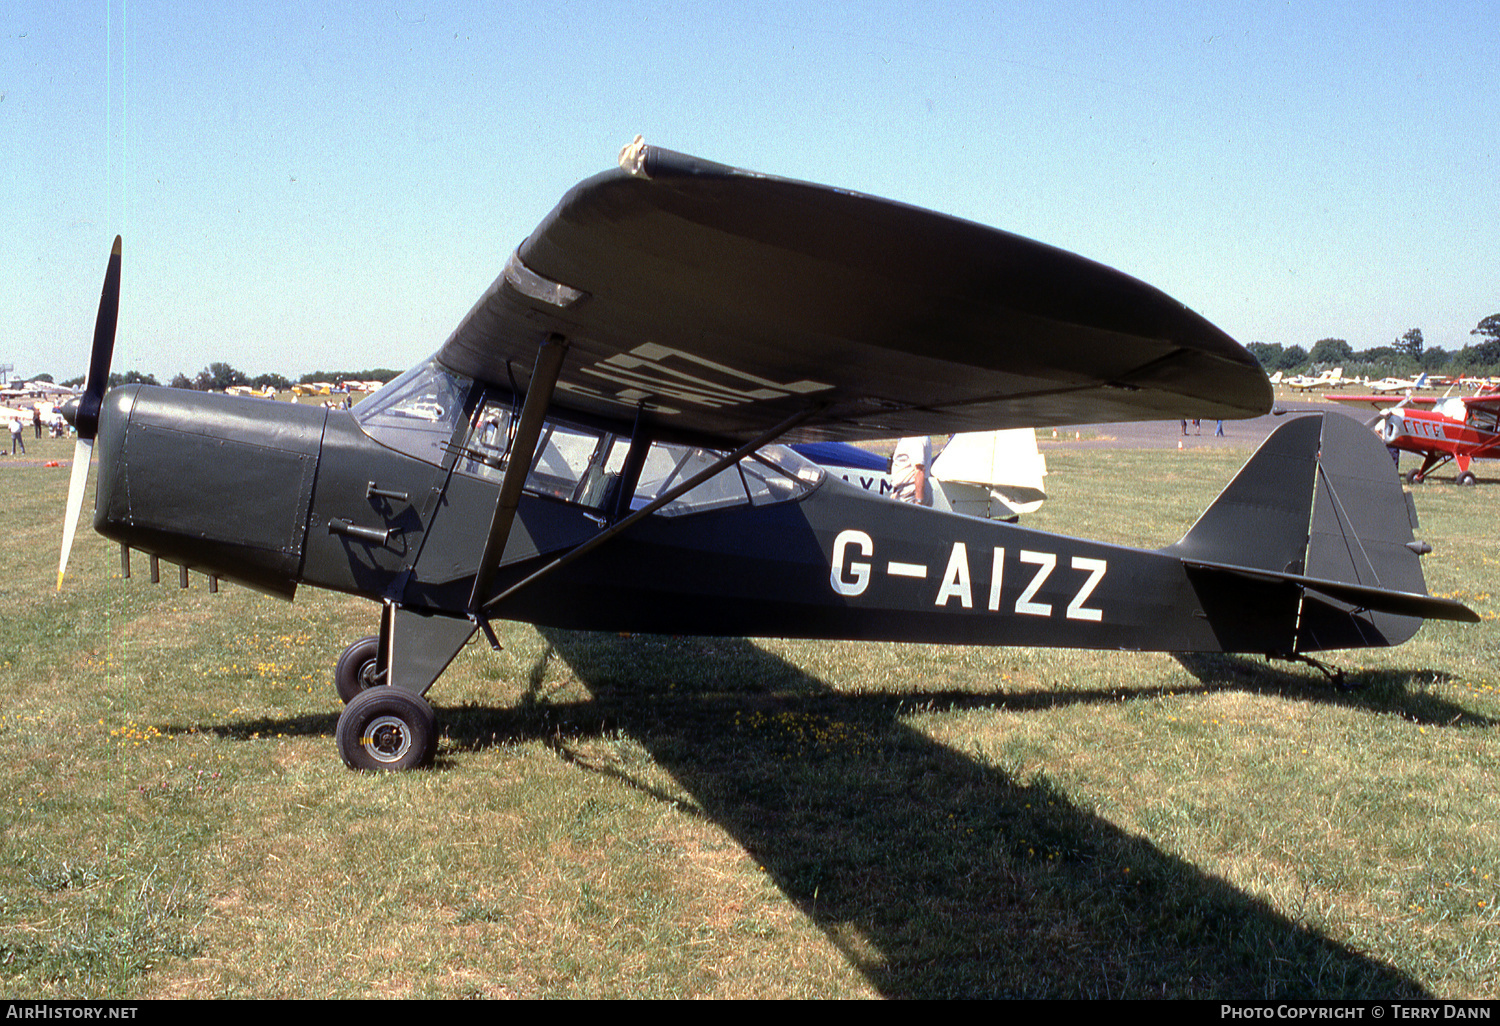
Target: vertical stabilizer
[1311,546]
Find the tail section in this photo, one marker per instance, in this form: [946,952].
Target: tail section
[1311,547]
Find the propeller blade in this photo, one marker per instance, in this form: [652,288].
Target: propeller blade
[83,452]
[87,421]
[85,417]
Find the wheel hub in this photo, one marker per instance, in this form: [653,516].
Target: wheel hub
[369,674]
[387,739]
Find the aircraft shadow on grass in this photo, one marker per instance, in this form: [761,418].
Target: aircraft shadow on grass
[1384,690]
[937,875]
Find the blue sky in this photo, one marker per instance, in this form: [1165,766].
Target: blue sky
[321,185]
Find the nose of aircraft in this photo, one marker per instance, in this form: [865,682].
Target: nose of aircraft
[1393,426]
[215,483]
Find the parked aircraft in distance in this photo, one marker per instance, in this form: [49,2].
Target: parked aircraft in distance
[1328,379]
[993,474]
[1385,386]
[1453,429]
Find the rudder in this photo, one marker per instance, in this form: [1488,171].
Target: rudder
[1311,546]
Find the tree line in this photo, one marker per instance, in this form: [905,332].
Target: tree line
[217,377]
[1406,355]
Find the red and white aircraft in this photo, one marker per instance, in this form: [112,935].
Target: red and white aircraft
[1459,429]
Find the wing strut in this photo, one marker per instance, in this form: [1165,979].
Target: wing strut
[549,361]
[651,507]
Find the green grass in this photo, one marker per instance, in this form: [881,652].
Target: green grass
[656,817]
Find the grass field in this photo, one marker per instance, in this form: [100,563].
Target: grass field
[657,817]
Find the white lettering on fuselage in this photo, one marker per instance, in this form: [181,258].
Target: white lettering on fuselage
[851,576]
[858,574]
[880,484]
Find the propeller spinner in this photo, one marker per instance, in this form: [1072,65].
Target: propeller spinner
[85,415]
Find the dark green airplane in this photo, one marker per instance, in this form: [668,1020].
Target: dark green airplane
[596,447]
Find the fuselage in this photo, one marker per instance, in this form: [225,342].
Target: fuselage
[1451,427]
[393,505]
[393,501]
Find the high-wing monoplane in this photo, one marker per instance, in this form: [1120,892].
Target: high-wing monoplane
[1306,382]
[1389,386]
[1453,429]
[596,447]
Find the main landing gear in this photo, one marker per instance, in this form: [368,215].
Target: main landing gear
[381,728]
[1464,480]
[387,728]
[358,669]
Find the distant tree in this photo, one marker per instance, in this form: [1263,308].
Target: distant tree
[1293,357]
[1435,358]
[1331,351]
[1410,344]
[132,378]
[335,376]
[225,376]
[216,377]
[74,382]
[276,381]
[182,381]
[1267,353]
[1487,352]
[42,377]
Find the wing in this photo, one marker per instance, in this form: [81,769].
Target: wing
[720,302]
[1382,402]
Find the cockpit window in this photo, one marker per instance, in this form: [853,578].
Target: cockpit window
[774,474]
[417,413]
[1481,416]
[567,465]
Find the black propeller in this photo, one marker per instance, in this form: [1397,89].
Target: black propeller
[84,413]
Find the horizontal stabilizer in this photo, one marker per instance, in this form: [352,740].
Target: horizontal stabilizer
[1401,603]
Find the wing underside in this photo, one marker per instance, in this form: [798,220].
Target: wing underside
[719,302]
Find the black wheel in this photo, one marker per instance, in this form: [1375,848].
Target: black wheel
[1413,477]
[1467,478]
[387,728]
[357,669]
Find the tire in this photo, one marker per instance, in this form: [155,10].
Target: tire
[357,669]
[1413,477]
[386,728]
[1467,478]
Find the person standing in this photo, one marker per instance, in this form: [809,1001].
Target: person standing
[909,471]
[17,440]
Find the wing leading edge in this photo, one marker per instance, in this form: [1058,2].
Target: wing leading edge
[720,301]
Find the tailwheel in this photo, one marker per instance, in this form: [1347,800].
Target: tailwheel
[358,668]
[387,728]
[1467,478]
